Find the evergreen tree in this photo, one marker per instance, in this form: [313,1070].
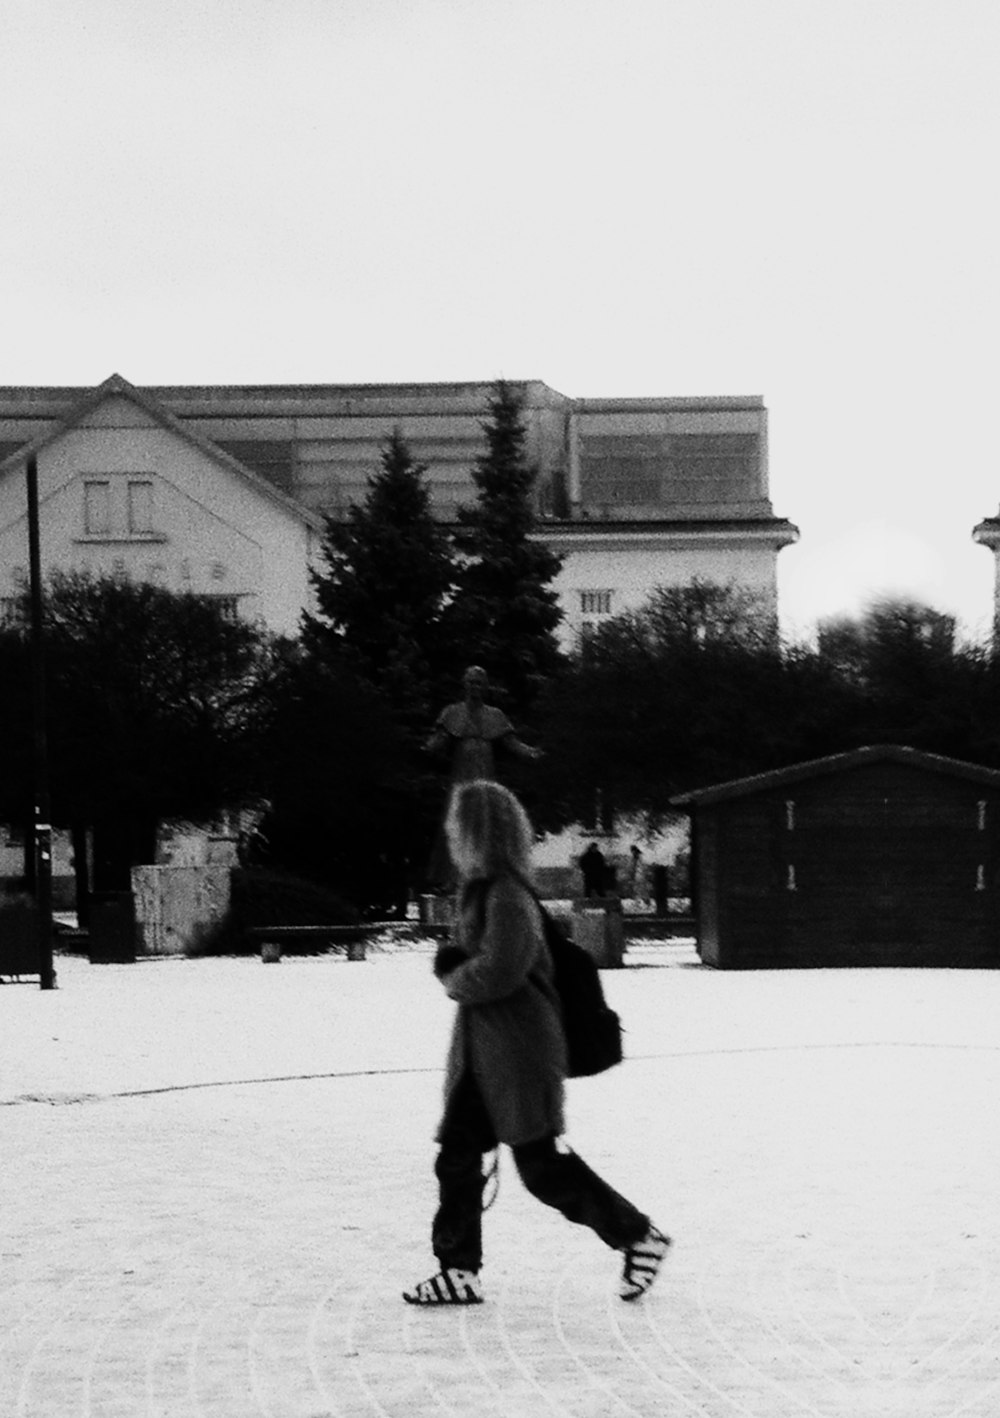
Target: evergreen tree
[361,808]
[505,613]
[389,571]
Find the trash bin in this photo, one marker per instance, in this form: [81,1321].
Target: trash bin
[18,938]
[112,928]
[599,929]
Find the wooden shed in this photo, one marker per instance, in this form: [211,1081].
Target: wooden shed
[881,856]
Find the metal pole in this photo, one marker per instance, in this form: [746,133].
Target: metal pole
[42,818]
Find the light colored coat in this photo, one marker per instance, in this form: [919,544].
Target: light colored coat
[508,1030]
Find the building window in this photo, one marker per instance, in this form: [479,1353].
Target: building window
[595,602]
[118,507]
[140,506]
[96,508]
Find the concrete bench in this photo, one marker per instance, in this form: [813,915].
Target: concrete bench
[352,939]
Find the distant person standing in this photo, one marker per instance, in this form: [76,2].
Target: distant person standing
[507,1061]
[633,880]
[594,869]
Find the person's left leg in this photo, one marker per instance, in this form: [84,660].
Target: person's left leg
[564,1181]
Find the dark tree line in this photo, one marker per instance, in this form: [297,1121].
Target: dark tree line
[697,688]
[163,710]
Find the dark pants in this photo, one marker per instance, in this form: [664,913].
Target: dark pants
[560,1179]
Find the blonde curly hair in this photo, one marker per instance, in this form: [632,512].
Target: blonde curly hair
[488,831]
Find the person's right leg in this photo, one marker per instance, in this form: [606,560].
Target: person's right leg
[456,1232]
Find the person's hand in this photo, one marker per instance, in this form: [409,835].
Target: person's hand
[447,958]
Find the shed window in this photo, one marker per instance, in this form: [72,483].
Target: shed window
[982,816]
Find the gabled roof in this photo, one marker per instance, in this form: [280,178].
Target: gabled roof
[117,387]
[838,763]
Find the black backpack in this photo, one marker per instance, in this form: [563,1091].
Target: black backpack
[593,1030]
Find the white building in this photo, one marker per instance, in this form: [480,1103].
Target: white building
[125,487]
[223,489]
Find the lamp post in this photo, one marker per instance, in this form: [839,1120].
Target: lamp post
[41,825]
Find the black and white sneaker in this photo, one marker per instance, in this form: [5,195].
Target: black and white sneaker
[448,1287]
[642,1263]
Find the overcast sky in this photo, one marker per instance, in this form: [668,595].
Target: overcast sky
[792,198]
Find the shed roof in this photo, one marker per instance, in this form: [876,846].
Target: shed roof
[838,763]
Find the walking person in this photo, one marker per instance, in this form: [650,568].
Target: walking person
[507,1061]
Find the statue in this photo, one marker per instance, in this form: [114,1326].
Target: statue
[470,732]
[470,729]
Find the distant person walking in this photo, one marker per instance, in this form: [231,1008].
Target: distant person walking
[507,1061]
[594,869]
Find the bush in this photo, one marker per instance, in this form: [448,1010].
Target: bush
[262,897]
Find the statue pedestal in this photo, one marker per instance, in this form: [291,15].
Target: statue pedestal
[437,913]
[599,930]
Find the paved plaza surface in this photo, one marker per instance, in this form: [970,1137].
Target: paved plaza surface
[215,1180]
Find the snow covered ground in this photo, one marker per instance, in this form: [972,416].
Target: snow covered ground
[215,1179]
